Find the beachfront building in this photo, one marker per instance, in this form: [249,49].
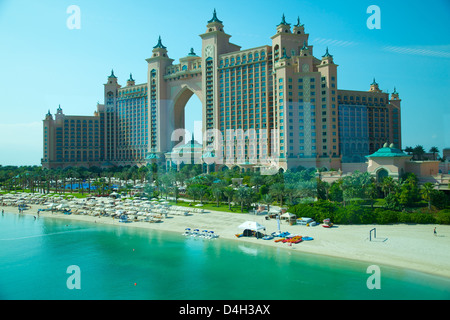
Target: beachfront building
[71,140]
[367,119]
[389,161]
[274,106]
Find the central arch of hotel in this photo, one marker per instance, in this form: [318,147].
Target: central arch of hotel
[181,93]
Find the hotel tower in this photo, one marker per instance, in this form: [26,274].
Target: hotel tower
[275,106]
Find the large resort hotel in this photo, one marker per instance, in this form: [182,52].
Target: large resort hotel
[275,106]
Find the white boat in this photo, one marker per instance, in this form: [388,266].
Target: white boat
[212,235]
[187,232]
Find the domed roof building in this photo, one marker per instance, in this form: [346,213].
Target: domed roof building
[388,161]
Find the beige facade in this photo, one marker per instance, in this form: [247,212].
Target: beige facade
[274,106]
[71,140]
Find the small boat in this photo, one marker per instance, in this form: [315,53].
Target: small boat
[307,238]
[279,240]
[295,239]
[195,233]
[187,232]
[268,237]
[204,234]
[327,223]
[280,234]
[212,235]
[238,235]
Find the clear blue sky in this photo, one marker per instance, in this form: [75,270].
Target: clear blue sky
[44,64]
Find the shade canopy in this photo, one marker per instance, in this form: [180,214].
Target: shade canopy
[288,215]
[252,225]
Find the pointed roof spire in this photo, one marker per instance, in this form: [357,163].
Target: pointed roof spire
[395,91]
[159,44]
[374,83]
[131,78]
[59,107]
[327,54]
[48,113]
[214,18]
[112,74]
[283,21]
[298,23]
[305,47]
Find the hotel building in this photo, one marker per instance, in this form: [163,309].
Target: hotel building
[276,105]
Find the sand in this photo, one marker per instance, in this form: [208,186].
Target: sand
[413,247]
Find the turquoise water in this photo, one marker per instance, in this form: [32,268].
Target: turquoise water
[117,262]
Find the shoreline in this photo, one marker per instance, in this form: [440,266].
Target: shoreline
[411,247]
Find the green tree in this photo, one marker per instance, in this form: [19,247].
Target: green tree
[241,195]
[335,193]
[409,191]
[434,150]
[277,191]
[426,191]
[388,185]
[372,193]
[229,193]
[202,191]
[193,191]
[409,150]
[353,186]
[267,199]
[176,192]
[217,193]
[418,152]
[323,189]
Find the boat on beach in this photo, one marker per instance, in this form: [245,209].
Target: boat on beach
[196,233]
[327,223]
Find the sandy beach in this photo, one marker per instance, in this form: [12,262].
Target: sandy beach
[412,247]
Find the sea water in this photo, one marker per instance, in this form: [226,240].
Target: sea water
[117,262]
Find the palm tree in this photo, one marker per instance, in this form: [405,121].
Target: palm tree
[202,190]
[418,151]
[387,185]
[277,191]
[409,150]
[434,150]
[229,193]
[176,192]
[372,193]
[192,190]
[241,196]
[427,190]
[217,193]
[267,199]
